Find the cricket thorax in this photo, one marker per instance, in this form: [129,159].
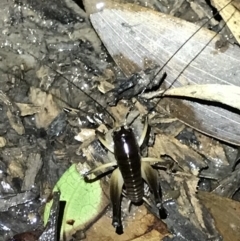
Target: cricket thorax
[125,143]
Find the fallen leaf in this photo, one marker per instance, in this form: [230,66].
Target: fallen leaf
[226,214]
[225,94]
[185,157]
[139,225]
[48,108]
[85,202]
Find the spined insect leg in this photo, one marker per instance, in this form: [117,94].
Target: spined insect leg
[151,177]
[116,186]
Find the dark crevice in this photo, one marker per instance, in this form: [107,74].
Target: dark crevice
[80,4]
[215,12]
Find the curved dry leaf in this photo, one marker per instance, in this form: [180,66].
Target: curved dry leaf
[230,14]
[225,94]
[226,214]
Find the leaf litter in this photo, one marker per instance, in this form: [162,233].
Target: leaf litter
[51,140]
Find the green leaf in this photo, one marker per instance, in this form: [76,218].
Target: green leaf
[84,201]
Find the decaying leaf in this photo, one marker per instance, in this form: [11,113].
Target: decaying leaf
[226,214]
[211,149]
[85,134]
[49,109]
[51,230]
[186,158]
[187,218]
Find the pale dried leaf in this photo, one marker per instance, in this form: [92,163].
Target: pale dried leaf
[48,108]
[27,109]
[85,134]
[230,14]
[188,203]
[225,94]
[120,112]
[2,141]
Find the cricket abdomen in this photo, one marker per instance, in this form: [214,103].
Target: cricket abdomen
[127,154]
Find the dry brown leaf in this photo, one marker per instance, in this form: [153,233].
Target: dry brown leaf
[236,4]
[119,112]
[27,109]
[15,122]
[212,149]
[230,14]
[48,108]
[188,203]
[15,169]
[141,225]
[226,214]
[187,159]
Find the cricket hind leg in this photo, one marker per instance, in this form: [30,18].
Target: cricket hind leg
[151,177]
[116,186]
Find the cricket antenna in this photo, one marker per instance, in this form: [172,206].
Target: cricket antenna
[84,92]
[160,75]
